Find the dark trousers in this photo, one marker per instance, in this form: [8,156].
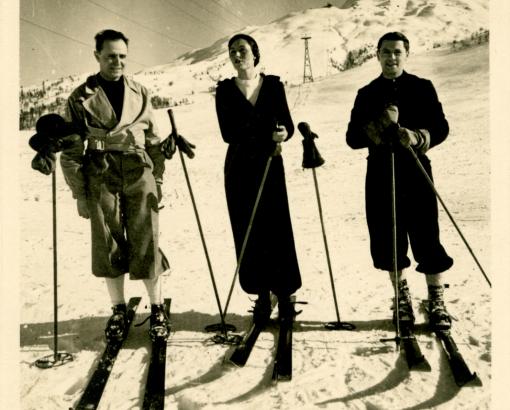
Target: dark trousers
[416,210]
[269,261]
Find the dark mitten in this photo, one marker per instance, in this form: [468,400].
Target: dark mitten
[185,146]
[44,163]
[409,138]
[65,142]
[53,134]
[374,131]
[311,156]
[389,116]
[168,147]
[388,122]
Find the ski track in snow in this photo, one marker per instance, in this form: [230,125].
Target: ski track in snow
[331,370]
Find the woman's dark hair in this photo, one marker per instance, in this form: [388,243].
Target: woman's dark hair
[108,35]
[393,36]
[251,41]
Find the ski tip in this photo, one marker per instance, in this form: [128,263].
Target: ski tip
[238,358]
[284,377]
[280,377]
[473,381]
[421,366]
[235,363]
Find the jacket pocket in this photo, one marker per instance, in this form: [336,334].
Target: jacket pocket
[136,160]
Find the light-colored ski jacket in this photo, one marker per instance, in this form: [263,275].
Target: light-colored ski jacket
[89,107]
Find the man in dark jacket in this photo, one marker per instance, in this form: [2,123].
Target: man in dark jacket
[398,111]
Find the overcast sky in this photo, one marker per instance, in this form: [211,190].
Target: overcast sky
[57,36]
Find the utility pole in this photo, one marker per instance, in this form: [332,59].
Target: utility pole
[307,72]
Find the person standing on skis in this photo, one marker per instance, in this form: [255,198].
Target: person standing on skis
[115,171]
[254,120]
[399,111]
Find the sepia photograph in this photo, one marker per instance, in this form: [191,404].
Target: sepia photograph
[228,204]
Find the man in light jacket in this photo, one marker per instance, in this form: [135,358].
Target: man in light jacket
[115,171]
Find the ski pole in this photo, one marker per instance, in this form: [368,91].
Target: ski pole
[314,162]
[397,337]
[394,245]
[338,325]
[58,358]
[248,231]
[51,137]
[224,327]
[431,183]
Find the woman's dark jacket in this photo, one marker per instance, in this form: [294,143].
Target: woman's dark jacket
[419,109]
[269,261]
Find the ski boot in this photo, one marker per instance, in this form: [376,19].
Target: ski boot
[262,310]
[286,310]
[405,306]
[116,325]
[159,325]
[439,318]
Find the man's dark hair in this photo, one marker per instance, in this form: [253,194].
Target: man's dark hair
[251,41]
[109,35]
[393,36]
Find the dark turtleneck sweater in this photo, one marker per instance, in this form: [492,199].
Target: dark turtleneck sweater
[114,90]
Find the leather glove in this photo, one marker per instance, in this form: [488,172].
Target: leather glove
[280,133]
[388,121]
[44,163]
[185,146]
[61,143]
[389,116]
[374,132]
[408,138]
[168,147]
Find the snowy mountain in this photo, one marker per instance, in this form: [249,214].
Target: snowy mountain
[335,32]
[340,38]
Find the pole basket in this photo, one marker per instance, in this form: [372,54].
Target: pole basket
[396,339]
[225,339]
[54,360]
[222,336]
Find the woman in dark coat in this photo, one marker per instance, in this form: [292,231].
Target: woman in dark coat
[254,119]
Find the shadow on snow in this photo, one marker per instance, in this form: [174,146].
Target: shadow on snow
[87,334]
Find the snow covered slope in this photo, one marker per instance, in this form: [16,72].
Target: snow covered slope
[332,370]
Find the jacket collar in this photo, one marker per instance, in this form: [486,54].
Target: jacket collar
[401,77]
[91,85]
[97,104]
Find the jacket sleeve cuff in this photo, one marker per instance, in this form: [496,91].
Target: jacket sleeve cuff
[79,194]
